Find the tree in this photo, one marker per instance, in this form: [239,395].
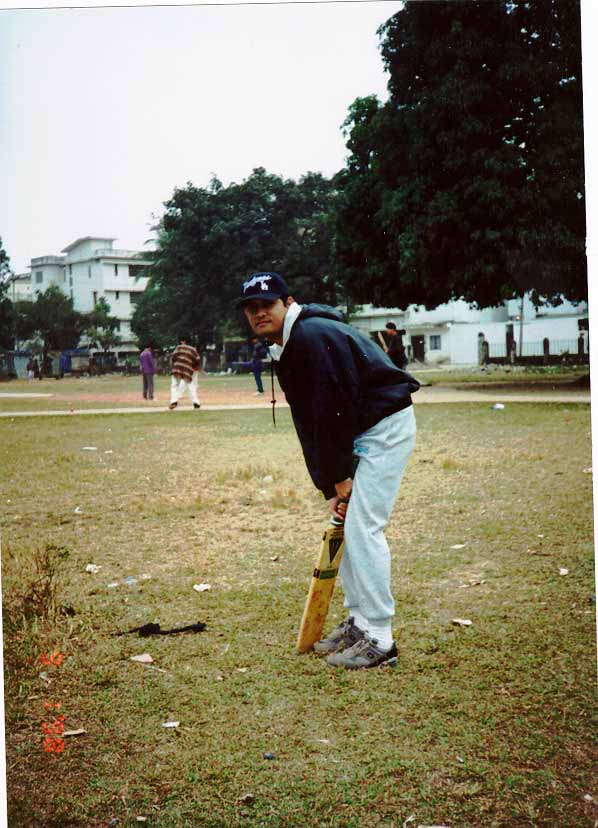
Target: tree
[100,327]
[7,314]
[51,318]
[210,239]
[468,182]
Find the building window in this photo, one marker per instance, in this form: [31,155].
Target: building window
[435,342]
[70,269]
[135,297]
[39,277]
[116,270]
[117,295]
[136,270]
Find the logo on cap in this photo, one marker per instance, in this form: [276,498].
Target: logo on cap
[255,280]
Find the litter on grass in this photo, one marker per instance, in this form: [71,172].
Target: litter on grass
[458,546]
[461,622]
[170,724]
[268,479]
[497,407]
[144,658]
[90,448]
[202,587]
[93,568]
[563,571]
[79,732]
[78,510]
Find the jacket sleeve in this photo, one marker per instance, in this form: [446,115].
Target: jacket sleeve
[334,403]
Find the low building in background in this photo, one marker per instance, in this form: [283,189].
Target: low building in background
[458,334]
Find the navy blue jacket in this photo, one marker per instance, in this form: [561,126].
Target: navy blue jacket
[338,384]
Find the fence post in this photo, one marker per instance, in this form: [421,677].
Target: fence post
[546,349]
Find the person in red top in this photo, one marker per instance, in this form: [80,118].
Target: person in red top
[184,361]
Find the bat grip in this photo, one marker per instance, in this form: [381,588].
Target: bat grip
[337,521]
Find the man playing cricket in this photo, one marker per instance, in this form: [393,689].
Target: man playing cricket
[348,401]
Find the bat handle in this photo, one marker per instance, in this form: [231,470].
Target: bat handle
[337,521]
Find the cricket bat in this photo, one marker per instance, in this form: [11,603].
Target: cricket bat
[322,586]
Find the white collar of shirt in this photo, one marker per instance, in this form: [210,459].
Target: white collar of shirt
[289,320]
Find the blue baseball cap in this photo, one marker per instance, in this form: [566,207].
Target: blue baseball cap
[263,285]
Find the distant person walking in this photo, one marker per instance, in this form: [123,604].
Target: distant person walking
[147,363]
[30,369]
[258,353]
[185,360]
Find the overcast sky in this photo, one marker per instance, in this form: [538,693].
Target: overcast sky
[107,110]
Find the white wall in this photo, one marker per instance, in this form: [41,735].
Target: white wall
[86,248]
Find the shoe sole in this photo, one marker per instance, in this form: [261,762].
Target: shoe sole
[391,663]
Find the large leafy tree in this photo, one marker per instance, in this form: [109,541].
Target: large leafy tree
[7,314]
[101,327]
[210,239]
[468,182]
[52,319]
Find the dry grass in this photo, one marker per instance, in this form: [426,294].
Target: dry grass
[488,725]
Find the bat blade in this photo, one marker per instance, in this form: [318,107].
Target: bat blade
[321,588]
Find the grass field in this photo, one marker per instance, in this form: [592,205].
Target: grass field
[486,726]
[117,391]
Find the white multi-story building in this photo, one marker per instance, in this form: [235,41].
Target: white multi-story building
[452,333]
[91,269]
[19,287]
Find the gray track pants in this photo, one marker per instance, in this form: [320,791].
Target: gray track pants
[383,453]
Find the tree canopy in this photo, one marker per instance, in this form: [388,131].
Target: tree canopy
[210,239]
[7,314]
[51,318]
[468,182]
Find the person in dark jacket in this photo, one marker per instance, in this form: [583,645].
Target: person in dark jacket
[348,401]
[394,346]
[258,353]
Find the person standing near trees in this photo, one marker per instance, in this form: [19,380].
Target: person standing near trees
[147,364]
[258,353]
[185,360]
[394,346]
[348,401]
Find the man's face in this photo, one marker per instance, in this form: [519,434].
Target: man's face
[391,332]
[266,317]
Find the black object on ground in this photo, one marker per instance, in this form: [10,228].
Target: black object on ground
[154,629]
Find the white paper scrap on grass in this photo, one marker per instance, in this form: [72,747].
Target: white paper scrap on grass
[92,568]
[563,571]
[144,658]
[170,724]
[90,448]
[202,587]
[458,546]
[462,622]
